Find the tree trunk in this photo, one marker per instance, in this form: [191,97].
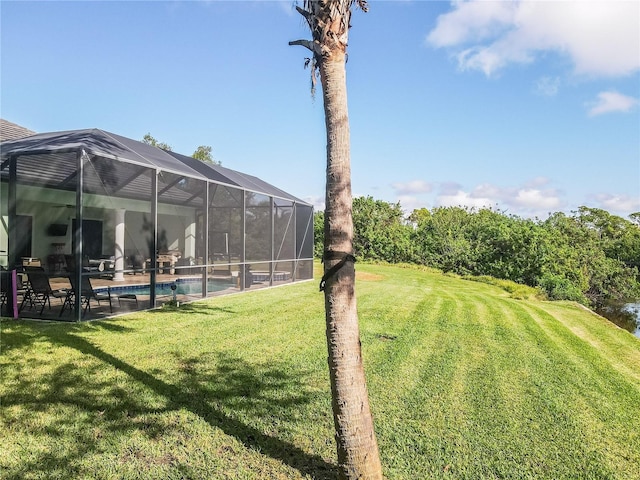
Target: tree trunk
[358,456]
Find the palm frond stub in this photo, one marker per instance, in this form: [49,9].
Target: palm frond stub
[329,23]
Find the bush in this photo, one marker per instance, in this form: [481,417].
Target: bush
[560,288]
[515,290]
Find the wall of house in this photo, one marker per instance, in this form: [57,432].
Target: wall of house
[175,232]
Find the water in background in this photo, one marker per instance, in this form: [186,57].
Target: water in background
[183,287]
[625,315]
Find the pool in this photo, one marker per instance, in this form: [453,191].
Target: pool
[263,276]
[184,286]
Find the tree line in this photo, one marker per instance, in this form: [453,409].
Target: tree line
[589,256]
[202,153]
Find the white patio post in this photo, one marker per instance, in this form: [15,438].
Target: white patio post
[190,243]
[118,276]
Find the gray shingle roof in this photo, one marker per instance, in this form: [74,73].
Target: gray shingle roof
[55,149]
[12,131]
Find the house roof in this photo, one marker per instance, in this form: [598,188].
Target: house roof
[12,131]
[220,174]
[56,146]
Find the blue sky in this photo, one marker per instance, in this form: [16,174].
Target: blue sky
[529,107]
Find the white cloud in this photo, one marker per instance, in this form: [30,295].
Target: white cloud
[537,182]
[548,86]
[609,102]
[411,194]
[463,199]
[602,38]
[534,198]
[412,187]
[486,190]
[619,204]
[449,188]
[410,203]
[317,202]
[471,21]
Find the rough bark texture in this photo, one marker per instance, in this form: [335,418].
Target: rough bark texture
[356,441]
[358,456]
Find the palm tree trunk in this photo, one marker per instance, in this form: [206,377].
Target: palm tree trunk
[358,456]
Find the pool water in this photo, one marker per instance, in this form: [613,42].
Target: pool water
[184,286]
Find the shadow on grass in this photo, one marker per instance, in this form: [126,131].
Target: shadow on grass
[81,395]
[24,333]
[198,306]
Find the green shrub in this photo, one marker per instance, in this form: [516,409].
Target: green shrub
[561,288]
[515,290]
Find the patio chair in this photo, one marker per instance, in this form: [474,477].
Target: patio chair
[87,293]
[5,281]
[5,286]
[39,291]
[136,263]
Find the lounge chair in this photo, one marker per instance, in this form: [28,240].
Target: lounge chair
[87,293]
[39,291]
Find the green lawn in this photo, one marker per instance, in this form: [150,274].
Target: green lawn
[464,382]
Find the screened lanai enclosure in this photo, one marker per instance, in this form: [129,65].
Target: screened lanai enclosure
[95,224]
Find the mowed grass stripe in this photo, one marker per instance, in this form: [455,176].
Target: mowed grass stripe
[239,324]
[408,401]
[601,401]
[621,350]
[464,383]
[434,403]
[476,403]
[408,331]
[578,357]
[435,407]
[512,411]
[468,401]
[393,341]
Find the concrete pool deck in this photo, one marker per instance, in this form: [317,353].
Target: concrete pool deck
[127,302]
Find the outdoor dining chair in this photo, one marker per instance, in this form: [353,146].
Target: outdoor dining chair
[39,291]
[5,281]
[6,287]
[87,294]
